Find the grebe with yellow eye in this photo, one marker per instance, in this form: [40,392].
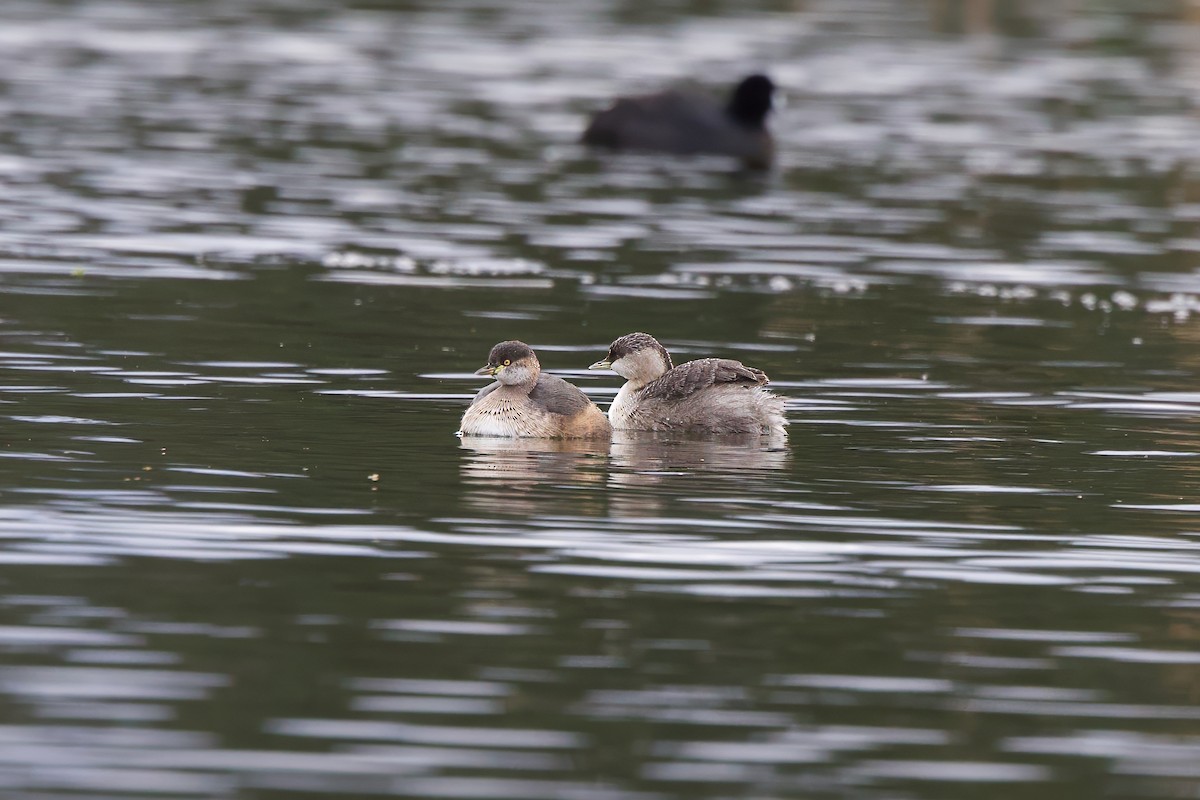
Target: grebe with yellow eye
[525,402]
[708,395]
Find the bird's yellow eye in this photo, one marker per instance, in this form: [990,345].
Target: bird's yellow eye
[507,361]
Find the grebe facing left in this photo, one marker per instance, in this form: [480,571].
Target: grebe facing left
[708,395]
[525,402]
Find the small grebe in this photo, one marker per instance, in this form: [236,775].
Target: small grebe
[526,402]
[709,395]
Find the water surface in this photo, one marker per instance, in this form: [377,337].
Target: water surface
[250,256]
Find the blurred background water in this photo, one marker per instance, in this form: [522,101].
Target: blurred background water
[250,253]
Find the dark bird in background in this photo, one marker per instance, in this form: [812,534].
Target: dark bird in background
[687,122]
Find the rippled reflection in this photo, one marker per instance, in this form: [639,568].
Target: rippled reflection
[532,477]
[649,471]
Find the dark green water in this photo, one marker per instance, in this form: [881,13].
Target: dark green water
[250,253]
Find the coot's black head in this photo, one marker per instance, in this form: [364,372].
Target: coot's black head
[751,101]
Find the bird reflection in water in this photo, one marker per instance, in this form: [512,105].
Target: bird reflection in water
[648,471]
[637,474]
[535,477]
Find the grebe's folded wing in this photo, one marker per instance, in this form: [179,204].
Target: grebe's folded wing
[558,396]
[703,373]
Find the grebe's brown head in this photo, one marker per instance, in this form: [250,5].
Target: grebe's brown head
[512,363]
[637,357]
